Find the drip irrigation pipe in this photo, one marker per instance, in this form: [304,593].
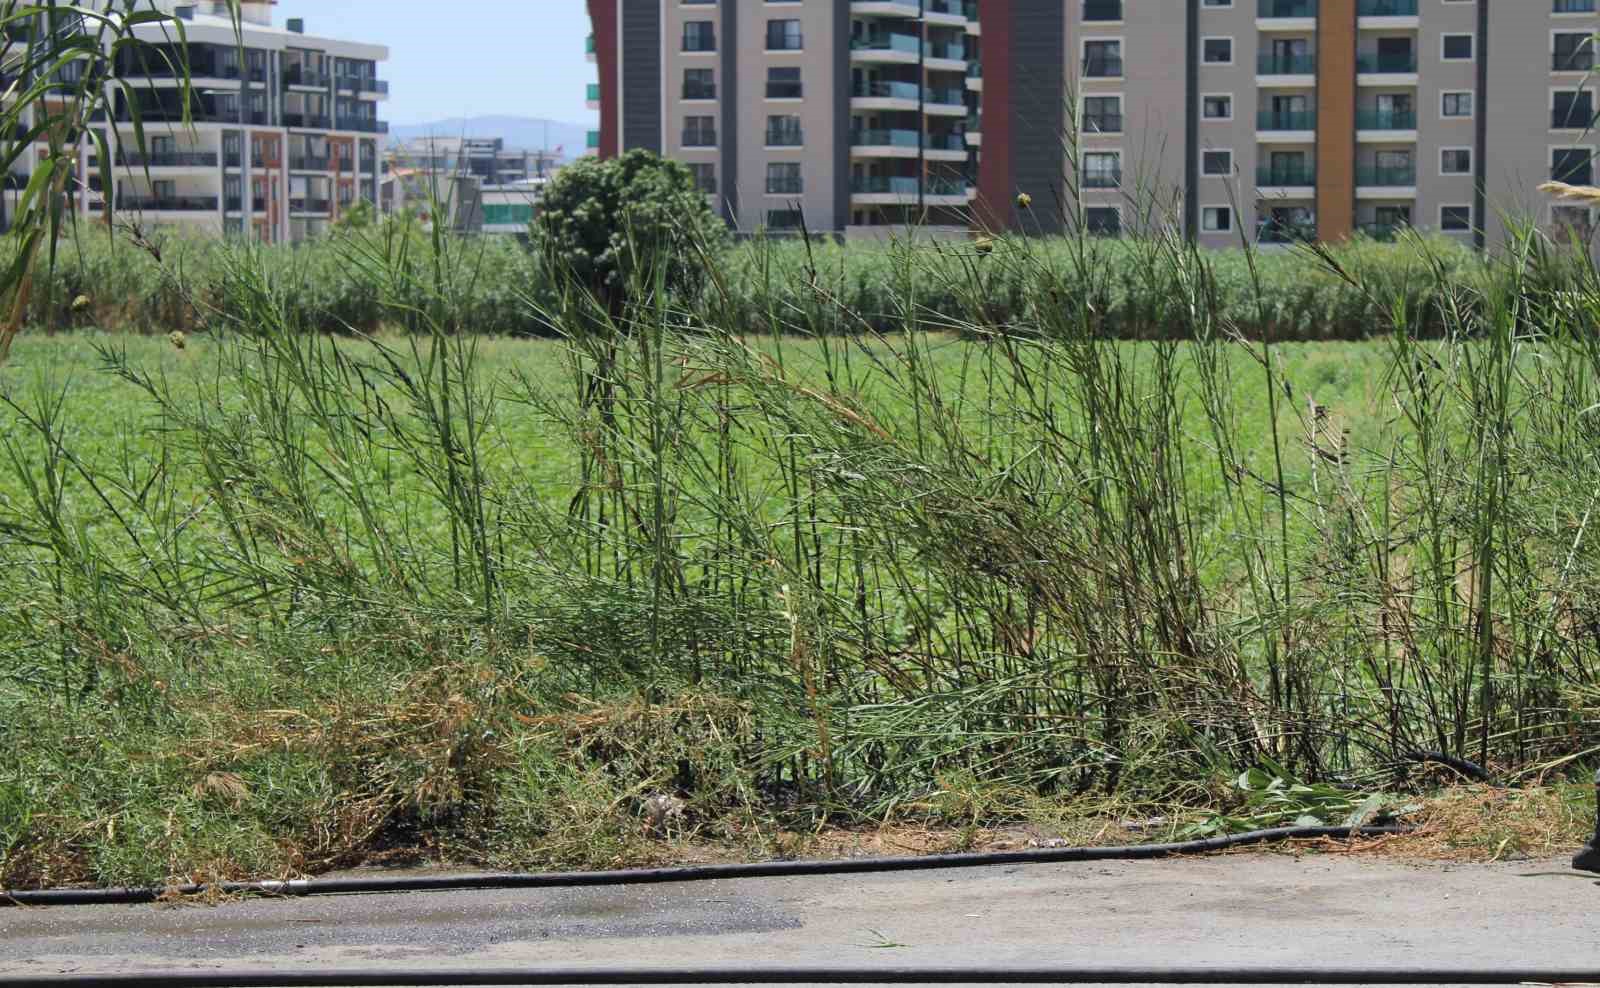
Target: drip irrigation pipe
[822,975]
[691,873]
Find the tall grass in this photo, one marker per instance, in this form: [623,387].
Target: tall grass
[803,553]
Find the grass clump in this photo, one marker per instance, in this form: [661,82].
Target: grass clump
[956,554]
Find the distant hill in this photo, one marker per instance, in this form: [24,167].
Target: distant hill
[530,133]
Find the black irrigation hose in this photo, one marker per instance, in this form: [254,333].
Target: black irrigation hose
[823,975]
[1471,770]
[691,873]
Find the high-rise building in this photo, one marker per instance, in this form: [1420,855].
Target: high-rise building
[283,131]
[835,115]
[1289,119]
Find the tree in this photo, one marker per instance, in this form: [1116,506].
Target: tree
[609,223]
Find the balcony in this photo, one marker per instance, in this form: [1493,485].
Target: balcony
[1386,176]
[306,121]
[691,90]
[885,187]
[592,139]
[949,12]
[1270,64]
[1102,67]
[308,163]
[365,125]
[1108,179]
[949,102]
[1573,7]
[887,142]
[949,51]
[975,76]
[902,48]
[1287,121]
[363,84]
[296,75]
[1280,9]
[1386,120]
[1300,176]
[888,95]
[1093,123]
[1386,8]
[258,204]
[168,204]
[787,186]
[303,205]
[703,137]
[886,8]
[1371,63]
[1274,232]
[168,159]
[1384,232]
[946,145]
[231,159]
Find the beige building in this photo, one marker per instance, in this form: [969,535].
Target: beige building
[1277,119]
[281,137]
[835,115]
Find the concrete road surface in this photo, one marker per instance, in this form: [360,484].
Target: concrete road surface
[1269,909]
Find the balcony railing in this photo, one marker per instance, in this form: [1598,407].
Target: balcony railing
[1286,8]
[1286,120]
[1390,175]
[785,137]
[168,159]
[1579,60]
[944,186]
[1386,8]
[366,125]
[298,205]
[702,138]
[1372,62]
[1375,119]
[1381,230]
[168,204]
[233,204]
[785,89]
[308,163]
[1108,179]
[258,204]
[306,121]
[785,186]
[1102,66]
[1268,63]
[691,90]
[946,97]
[1574,7]
[297,75]
[880,185]
[908,43]
[945,142]
[592,92]
[1274,232]
[1281,175]
[882,137]
[887,90]
[954,50]
[1097,123]
[592,139]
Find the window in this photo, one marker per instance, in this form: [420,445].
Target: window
[1216,163]
[783,131]
[1455,219]
[1572,110]
[699,132]
[1456,48]
[1103,221]
[705,176]
[783,178]
[1216,219]
[1216,107]
[1455,104]
[1102,59]
[1217,51]
[1102,10]
[1455,161]
[783,35]
[1287,168]
[1572,165]
[699,84]
[784,82]
[1102,170]
[1102,114]
[1572,52]
[1216,3]
[699,36]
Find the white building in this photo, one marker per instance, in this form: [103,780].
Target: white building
[284,132]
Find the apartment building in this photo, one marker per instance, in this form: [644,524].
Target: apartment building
[485,186]
[282,135]
[833,115]
[1290,119]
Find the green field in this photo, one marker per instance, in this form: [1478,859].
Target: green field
[284,602]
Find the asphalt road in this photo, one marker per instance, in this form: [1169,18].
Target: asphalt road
[1269,909]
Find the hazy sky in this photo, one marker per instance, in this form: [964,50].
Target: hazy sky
[519,57]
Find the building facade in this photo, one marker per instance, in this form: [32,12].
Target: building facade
[1275,120]
[484,186]
[832,115]
[283,132]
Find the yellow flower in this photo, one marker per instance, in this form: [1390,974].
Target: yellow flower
[983,245]
[178,339]
[80,303]
[1024,200]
